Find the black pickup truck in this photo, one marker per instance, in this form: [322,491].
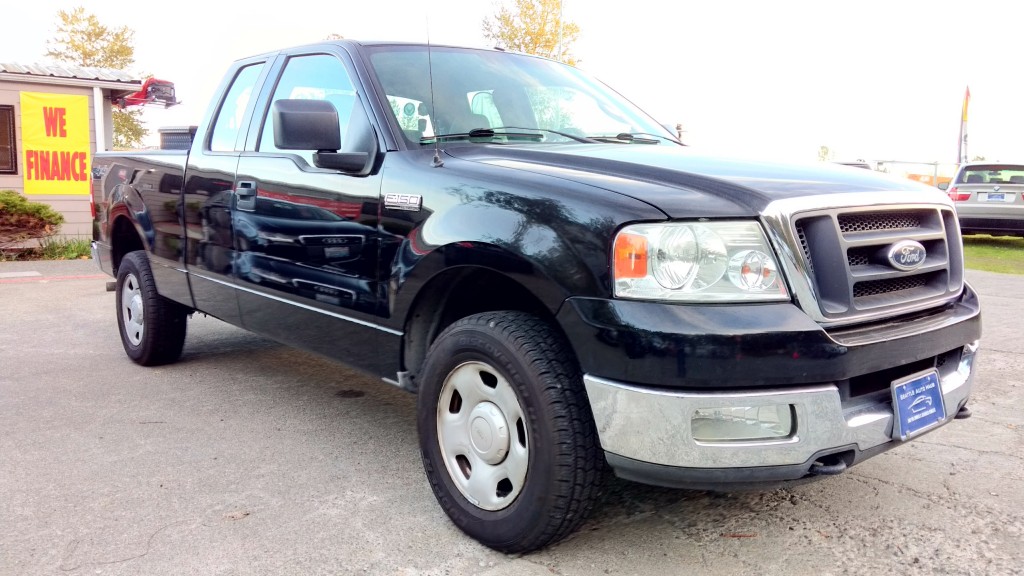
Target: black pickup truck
[564,285]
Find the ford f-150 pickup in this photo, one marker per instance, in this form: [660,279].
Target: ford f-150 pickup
[565,286]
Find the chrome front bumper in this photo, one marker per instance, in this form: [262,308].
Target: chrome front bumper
[653,426]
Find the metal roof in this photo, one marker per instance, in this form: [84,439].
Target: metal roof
[75,75]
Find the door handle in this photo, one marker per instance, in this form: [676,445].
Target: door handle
[245,190]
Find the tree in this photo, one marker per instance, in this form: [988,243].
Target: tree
[128,129]
[83,41]
[534,27]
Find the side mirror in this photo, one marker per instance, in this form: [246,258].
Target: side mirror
[943,185]
[314,125]
[306,125]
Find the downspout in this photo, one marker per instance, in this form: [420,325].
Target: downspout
[100,123]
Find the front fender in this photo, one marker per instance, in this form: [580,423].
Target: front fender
[414,269]
[549,235]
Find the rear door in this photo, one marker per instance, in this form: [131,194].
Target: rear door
[208,193]
[306,237]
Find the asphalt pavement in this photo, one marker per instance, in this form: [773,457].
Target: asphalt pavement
[248,457]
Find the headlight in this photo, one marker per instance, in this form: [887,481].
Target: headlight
[696,262]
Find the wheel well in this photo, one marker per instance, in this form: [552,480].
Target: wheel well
[455,294]
[123,239]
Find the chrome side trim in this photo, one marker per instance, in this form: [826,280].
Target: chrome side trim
[654,425]
[303,306]
[172,268]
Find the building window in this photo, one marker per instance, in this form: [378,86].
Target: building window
[8,155]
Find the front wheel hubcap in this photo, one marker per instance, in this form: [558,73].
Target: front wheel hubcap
[481,431]
[488,432]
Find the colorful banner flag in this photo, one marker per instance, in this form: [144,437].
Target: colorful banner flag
[961,151]
[56,143]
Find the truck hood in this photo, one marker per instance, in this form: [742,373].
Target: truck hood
[684,183]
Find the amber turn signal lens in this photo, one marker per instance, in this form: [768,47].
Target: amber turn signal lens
[630,259]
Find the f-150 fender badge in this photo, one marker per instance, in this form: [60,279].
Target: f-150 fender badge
[408,202]
[907,255]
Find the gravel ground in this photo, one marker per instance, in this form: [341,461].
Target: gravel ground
[248,457]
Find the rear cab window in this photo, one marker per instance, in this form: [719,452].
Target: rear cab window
[992,174]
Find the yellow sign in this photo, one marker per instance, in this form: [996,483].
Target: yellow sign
[55,137]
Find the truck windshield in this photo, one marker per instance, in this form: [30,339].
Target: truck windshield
[496,96]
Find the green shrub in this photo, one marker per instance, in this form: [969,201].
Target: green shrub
[21,220]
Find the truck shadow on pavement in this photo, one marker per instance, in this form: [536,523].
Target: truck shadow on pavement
[353,404]
[366,431]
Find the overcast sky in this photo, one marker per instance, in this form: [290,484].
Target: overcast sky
[873,80]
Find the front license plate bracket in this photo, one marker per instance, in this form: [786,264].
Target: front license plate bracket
[917,404]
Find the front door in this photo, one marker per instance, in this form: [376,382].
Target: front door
[306,237]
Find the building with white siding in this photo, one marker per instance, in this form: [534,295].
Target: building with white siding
[53,118]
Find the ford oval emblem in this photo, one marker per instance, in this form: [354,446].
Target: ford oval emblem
[907,255]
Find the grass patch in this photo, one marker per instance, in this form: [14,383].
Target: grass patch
[66,249]
[994,254]
[52,249]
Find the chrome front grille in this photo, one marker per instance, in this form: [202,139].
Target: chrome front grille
[858,257]
[837,258]
[872,221]
[876,287]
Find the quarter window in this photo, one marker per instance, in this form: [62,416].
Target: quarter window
[8,154]
[233,108]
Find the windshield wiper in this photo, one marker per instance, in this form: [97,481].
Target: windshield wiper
[480,133]
[545,130]
[494,132]
[454,136]
[635,138]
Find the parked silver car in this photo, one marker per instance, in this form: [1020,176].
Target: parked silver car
[989,198]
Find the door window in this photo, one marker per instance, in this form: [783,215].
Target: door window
[313,77]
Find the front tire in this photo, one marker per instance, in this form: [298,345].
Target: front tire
[506,434]
[152,327]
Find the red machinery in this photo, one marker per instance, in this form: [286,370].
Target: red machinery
[153,92]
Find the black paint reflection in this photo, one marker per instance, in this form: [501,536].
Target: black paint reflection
[289,244]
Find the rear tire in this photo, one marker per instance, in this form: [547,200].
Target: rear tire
[152,327]
[506,434]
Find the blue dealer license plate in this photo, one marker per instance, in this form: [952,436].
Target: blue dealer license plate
[917,404]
